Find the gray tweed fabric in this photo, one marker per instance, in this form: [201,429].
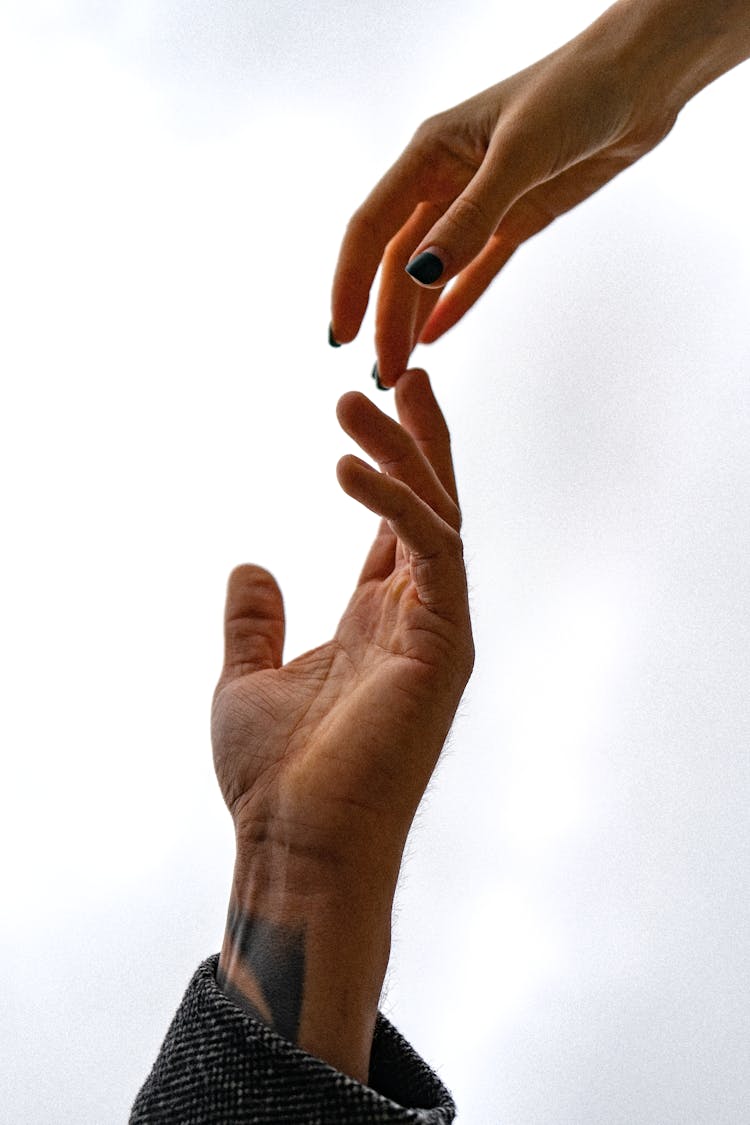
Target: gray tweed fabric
[219,1065]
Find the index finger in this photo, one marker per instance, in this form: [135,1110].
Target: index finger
[388,206]
[399,315]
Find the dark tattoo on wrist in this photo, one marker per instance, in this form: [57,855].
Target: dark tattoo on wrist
[274,955]
[232,992]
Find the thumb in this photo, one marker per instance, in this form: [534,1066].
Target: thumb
[253,622]
[465,228]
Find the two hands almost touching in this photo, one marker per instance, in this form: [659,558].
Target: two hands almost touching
[323,761]
[478,180]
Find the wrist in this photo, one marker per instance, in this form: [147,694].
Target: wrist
[669,50]
[306,951]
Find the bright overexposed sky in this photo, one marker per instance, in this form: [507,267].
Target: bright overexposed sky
[571,929]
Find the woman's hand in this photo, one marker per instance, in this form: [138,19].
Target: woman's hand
[480,179]
[326,758]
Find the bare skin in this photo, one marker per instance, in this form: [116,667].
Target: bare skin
[480,179]
[323,761]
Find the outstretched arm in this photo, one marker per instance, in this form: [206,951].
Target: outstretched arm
[478,180]
[323,761]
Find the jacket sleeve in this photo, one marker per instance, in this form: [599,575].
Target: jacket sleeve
[220,1066]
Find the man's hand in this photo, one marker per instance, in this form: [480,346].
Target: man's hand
[323,761]
[480,179]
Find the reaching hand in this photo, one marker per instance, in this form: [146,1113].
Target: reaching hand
[480,179]
[328,756]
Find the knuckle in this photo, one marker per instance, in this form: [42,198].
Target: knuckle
[397,460]
[442,431]
[395,465]
[436,155]
[454,545]
[469,218]
[399,496]
[645,136]
[468,658]
[455,517]
[429,132]
[361,226]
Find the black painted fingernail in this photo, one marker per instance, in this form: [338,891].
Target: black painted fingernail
[331,338]
[426,268]
[376,377]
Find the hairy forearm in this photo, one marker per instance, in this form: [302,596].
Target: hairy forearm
[306,952]
[672,49]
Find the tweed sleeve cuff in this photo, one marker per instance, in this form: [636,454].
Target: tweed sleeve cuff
[218,1065]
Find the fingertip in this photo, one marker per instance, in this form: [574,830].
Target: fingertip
[340,333]
[414,379]
[348,402]
[341,469]
[442,320]
[254,621]
[342,465]
[245,575]
[416,373]
[348,468]
[385,375]
[350,461]
[375,375]
[253,591]
[250,586]
[348,306]
[416,404]
[429,267]
[430,333]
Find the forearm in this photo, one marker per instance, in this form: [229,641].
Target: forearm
[672,49]
[306,952]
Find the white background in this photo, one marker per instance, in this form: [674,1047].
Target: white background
[571,929]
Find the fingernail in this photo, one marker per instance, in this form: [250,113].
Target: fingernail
[376,377]
[426,268]
[331,338]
